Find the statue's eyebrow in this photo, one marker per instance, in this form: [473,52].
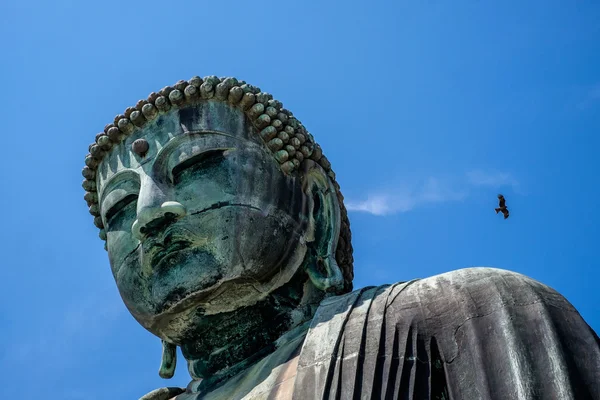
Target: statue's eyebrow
[162,157]
[113,181]
[174,143]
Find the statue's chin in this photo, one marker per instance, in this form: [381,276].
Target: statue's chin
[183,273]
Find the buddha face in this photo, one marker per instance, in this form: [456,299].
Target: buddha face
[205,219]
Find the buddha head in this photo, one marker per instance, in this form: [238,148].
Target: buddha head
[210,196]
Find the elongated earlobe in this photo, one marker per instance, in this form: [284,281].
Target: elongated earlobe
[323,230]
[169,360]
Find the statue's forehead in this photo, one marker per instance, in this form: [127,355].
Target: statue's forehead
[205,116]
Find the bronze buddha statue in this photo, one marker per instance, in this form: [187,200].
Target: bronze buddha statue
[228,237]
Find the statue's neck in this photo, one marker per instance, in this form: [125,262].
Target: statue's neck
[283,352]
[223,345]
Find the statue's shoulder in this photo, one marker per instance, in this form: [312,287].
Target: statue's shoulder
[411,300]
[449,291]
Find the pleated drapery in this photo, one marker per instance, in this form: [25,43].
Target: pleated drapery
[476,333]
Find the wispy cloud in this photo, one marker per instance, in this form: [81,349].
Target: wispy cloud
[403,200]
[433,190]
[379,204]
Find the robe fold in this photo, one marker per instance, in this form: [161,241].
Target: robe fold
[475,333]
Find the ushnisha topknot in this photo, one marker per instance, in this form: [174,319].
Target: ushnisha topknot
[287,139]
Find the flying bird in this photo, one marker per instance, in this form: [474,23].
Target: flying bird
[502,206]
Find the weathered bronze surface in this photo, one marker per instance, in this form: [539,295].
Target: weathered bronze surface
[227,237]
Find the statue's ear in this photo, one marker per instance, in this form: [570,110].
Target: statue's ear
[169,360]
[323,229]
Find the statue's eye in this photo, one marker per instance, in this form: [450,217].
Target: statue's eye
[120,205]
[202,161]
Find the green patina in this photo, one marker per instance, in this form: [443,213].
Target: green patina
[214,247]
[228,238]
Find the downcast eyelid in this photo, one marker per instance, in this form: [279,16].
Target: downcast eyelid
[191,144]
[116,206]
[116,193]
[189,160]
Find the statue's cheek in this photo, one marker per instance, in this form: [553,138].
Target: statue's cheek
[119,244]
[119,239]
[134,286]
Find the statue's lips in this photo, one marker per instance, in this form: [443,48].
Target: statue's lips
[173,239]
[173,247]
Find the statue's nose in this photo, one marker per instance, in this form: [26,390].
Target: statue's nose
[154,209]
[152,219]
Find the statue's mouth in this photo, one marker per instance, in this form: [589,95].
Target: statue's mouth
[169,249]
[173,240]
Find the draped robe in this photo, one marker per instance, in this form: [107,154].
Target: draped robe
[475,333]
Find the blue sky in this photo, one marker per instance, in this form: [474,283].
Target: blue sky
[426,109]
